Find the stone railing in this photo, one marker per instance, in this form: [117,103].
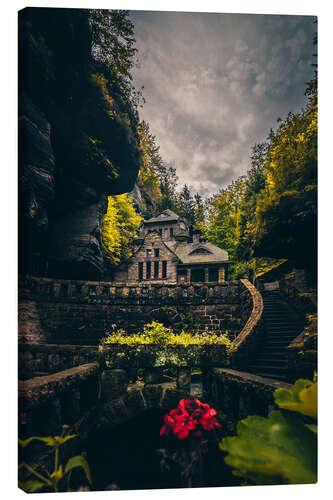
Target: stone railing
[45,359]
[239,394]
[48,402]
[248,340]
[106,291]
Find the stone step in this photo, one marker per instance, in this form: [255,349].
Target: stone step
[277,338]
[278,342]
[269,361]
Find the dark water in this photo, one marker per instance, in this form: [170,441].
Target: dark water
[126,458]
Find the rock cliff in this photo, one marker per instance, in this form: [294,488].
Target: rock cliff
[77,144]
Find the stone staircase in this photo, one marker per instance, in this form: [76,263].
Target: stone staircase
[280,329]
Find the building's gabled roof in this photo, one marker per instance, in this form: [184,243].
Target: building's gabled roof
[166,216]
[198,253]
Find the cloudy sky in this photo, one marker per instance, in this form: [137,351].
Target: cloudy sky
[216,83]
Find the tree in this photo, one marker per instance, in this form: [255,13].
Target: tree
[186,205]
[168,184]
[225,211]
[113,44]
[286,211]
[152,165]
[200,214]
[120,227]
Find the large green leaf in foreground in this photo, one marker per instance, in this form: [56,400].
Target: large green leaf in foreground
[279,449]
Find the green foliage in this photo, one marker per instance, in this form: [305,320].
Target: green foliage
[59,479]
[302,397]
[152,165]
[275,450]
[157,333]
[262,266]
[224,223]
[287,206]
[120,227]
[113,44]
[186,205]
[281,448]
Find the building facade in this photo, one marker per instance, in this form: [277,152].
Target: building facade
[167,251]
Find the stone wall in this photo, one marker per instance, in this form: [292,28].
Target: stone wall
[152,242]
[79,312]
[239,394]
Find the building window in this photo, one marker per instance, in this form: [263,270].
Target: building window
[148,253]
[213,274]
[140,271]
[160,231]
[166,232]
[156,266]
[171,232]
[157,252]
[197,275]
[148,270]
[164,268]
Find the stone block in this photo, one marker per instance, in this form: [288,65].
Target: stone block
[152,395]
[114,383]
[184,379]
[135,402]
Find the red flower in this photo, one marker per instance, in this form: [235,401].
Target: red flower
[188,416]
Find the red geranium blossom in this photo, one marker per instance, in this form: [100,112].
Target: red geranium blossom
[190,415]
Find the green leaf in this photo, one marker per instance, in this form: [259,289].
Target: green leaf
[31,485]
[79,461]
[302,397]
[61,440]
[58,474]
[49,441]
[275,450]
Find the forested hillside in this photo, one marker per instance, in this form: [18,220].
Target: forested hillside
[262,218]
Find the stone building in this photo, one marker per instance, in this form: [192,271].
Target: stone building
[167,251]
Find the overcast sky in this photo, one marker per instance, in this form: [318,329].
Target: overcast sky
[216,83]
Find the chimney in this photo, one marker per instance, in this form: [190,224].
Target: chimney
[196,236]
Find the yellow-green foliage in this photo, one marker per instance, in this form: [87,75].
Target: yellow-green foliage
[302,397]
[59,479]
[157,333]
[120,226]
[262,266]
[291,163]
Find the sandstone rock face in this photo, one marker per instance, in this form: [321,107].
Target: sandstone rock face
[77,145]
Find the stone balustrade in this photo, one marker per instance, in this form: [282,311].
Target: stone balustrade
[45,359]
[104,291]
[239,394]
[247,341]
[48,402]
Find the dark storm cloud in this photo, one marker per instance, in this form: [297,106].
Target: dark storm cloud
[216,83]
